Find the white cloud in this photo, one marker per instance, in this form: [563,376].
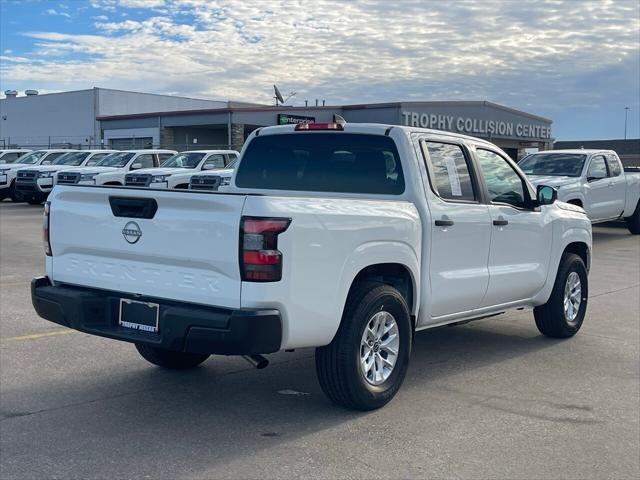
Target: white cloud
[56,13]
[539,54]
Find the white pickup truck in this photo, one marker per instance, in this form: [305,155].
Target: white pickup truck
[344,237]
[177,171]
[33,184]
[591,179]
[9,171]
[112,169]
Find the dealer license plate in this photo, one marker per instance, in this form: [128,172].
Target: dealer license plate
[139,315]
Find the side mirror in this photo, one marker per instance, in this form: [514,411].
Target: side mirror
[593,178]
[546,195]
[208,166]
[46,162]
[136,166]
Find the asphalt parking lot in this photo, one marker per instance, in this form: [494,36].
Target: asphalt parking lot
[491,399]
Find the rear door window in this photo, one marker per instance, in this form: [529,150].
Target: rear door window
[449,171]
[322,162]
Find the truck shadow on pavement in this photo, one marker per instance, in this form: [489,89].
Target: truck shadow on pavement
[141,420]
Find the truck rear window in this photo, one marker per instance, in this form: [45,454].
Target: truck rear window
[322,162]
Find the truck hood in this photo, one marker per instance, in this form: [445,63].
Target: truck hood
[221,172]
[95,170]
[552,181]
[163,171]
[16,166]
[48,168]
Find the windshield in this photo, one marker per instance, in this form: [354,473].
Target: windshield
[72,159]
[119,159]
[555,164]
[32,157]
[184,160]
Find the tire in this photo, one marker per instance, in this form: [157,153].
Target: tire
[338,365]
[551,318]
[15,196]
[633,222]
[3,196]
[170,359]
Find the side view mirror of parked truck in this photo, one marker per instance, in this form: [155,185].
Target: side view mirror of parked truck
[546,195]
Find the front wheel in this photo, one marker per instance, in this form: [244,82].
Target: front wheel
[14,194]
[168,358]
[633,222]
[563,314]
[365,364]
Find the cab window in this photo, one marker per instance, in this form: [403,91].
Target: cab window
[217,161]
[597,168]
[449,171]
[614,165]
[145,160]
[503,182]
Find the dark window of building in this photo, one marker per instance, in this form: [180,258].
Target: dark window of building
[322,162]
[450,176]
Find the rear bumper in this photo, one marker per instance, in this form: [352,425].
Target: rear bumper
[182,327]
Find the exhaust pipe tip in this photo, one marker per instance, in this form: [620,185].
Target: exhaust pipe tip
[257,361]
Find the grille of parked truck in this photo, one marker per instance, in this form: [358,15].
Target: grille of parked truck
[177,171]
[9,172]
[591,179]
[344,237]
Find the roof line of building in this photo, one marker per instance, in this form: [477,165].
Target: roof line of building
[323,108]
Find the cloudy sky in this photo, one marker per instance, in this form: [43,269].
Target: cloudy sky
[576,62]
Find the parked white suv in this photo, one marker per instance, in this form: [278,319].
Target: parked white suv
[177,171]
[347,238]
[33,184]
[112,169]
[592,179]
[9,171]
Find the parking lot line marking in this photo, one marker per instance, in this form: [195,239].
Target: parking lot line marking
[33,336]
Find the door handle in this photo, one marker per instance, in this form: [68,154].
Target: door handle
[501,222]
[444,223]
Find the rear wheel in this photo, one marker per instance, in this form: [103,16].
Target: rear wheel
[563,314]
[168,358]
[365,364]
[633,222]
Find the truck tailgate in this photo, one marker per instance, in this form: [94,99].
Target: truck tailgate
[187,251]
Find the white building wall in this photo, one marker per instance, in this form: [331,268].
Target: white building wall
[119,102]
[56,118]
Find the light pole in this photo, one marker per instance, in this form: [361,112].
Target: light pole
[626,111]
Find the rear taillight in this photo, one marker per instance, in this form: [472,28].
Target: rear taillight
[260,259]
[46,243]
[319,126]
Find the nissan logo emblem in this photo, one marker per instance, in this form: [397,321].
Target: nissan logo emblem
[131,232]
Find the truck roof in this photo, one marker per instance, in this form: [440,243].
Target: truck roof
[583,151]
[375,129]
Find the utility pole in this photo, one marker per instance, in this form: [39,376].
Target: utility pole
[626,111]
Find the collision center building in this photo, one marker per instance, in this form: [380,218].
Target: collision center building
[122,120]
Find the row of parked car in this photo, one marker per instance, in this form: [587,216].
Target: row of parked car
[31,175]
[592,179]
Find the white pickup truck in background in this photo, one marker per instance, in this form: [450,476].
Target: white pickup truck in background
[112,169]
[177,171]
[9,171]
[33,184]
[592,179]
[346,238]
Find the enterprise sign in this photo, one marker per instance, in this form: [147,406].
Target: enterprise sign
[476,126]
